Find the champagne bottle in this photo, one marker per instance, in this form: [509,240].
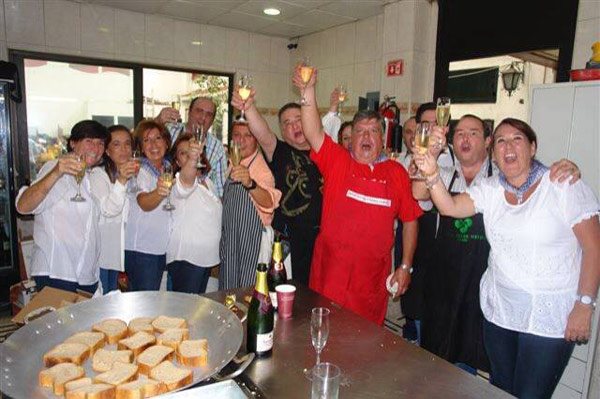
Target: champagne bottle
[259,337]
[277,274]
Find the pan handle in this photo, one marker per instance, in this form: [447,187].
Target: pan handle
[245,362]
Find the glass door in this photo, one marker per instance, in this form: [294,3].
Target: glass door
[7,217]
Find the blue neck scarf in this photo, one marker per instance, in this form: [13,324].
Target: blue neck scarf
[536,172]
[155,172]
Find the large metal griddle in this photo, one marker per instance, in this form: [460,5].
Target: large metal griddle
[22,352]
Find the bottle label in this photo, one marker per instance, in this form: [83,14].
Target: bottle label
[273,296]
[264,342]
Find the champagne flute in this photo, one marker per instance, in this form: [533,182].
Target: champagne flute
[442,111]
[167,178]
[235,156]
[136,157]
[200,136]
[79,178]
[422,134]
[319,332]
[244,91]
[177,105]
[342,96]
[306,71]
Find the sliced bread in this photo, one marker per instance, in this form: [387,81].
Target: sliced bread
[67,353]
[140,389]
[93,391]
[152,357]
[193,353]
[103,359]
[137,342]
[173,377]
[57,376]
[141,324]
[95,340]
[120,373]
[114,329]
[173,337]
[78,383]
[163,323]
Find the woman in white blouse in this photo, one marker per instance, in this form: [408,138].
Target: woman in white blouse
[109,188]
[148,224]
[194,244]
[65,233]
[539,291]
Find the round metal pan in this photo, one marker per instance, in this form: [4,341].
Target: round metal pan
[23,351]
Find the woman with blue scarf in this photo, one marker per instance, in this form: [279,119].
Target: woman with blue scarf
[539,290]
[148,224]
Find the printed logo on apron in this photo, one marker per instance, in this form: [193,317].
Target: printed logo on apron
[463,226]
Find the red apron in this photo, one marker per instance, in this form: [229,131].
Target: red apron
[352,256]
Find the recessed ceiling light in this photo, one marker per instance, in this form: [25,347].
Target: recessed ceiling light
[272,11]
[197,43]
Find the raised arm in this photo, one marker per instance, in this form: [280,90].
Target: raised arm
[458,206]
[33,196]
[258,125]
[437,141]
[311,122]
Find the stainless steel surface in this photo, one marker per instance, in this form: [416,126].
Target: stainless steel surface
[219,390]
[243,365]
[23,351]
[375,363]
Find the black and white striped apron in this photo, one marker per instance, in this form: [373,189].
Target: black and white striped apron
[241,235]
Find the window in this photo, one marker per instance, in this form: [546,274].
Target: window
[177,89]
[473,85]
[60,94]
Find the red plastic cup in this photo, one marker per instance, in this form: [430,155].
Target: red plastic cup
[285,300]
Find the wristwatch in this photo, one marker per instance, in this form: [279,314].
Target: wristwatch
[406,267]
[252,185]
[587,300]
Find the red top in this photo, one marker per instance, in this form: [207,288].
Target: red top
[352,255]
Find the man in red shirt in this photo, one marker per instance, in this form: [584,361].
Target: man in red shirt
[363,194]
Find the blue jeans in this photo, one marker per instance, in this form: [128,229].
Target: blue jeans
[525,365]
[43,281]
[144,271]
[187,277]
[109,279]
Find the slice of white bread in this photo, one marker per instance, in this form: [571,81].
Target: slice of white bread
[67,353]
[139,389]
[193,353]
[93,391]
[78,383]
[173,377]
[95,340]
[141,324]
[103,359]
[137,342]
[173,337]
[119,374]
[57,376]
[163,323]
[152,357]
[114,329]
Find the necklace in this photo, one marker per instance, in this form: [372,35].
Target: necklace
[535,173]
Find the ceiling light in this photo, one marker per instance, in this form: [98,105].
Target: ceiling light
[197,43]
[272,11]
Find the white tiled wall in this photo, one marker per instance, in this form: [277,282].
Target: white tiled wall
[77,28]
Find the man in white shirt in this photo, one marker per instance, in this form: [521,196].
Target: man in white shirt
[65,233]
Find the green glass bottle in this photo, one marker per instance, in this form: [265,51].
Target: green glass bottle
[277,274]
[259,338]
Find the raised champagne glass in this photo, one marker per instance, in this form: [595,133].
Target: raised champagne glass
[167,178]
[319,332]
[200,136]
[177,105]
[79,178]
[244,91]
[342,97]
[235,156]
[422,134]
[136,157]
[306,71]
[442,111]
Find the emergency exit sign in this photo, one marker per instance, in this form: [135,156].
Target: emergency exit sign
[394,68]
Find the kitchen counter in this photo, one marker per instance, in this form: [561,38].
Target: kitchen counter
[375,363]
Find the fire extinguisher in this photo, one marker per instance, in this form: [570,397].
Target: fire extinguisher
[392,131]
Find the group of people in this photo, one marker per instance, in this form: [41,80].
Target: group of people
[504,250]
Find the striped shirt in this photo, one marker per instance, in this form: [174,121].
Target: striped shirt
[460,184]
[214,153]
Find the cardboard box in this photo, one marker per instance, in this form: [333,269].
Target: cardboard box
[50,297]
